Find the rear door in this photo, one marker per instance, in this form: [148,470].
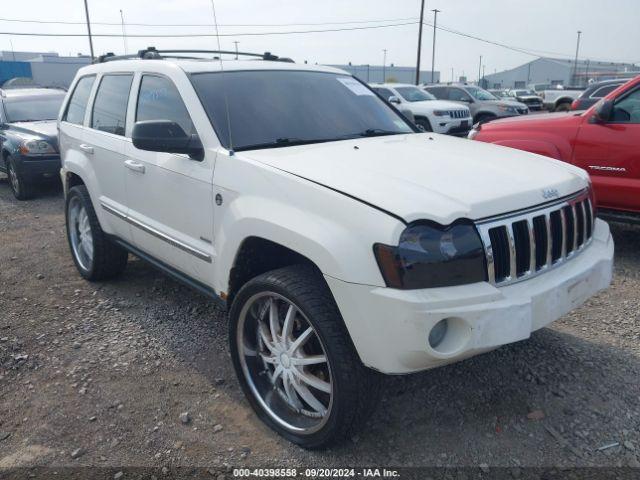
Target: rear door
[104,145]
[610,152]
[170,195]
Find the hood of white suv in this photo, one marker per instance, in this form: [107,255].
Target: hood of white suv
[429,176]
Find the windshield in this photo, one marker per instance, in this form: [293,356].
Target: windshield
[479,93]
[283,108]
[523,93]
[414,94]
[34,108]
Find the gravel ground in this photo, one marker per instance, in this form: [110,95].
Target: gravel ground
[99,375]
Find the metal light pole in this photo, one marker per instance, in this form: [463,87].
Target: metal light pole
[124,32]
[575,63]
[479,69]
[453,78]
[419,44]
[86,10]
[236,42]
[384,66]
[433,54]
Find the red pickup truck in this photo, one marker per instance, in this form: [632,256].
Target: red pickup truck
[604,140]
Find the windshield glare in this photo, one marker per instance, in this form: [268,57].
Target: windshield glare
[26,109]
[480,94]
[414,94]
[276,108]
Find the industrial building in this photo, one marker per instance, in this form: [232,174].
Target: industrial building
[388,73]
[44,68]
[556,71]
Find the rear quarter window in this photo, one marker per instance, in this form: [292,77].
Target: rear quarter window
[77,105]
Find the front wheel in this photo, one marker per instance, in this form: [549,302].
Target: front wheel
[295,360]
[424,123]
[20,187]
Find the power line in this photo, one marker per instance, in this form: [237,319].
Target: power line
[63,22]
[186,35]
[533,53]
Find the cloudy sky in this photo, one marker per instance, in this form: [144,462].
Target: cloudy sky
[610,29]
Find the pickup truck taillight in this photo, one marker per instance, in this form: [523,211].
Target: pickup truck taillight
[575,104]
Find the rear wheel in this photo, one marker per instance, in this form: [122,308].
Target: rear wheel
[95,255]
[20,187]
[563,107]
[295,361]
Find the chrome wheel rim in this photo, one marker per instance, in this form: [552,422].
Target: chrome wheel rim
[13,178]
[285,363]
[80,233]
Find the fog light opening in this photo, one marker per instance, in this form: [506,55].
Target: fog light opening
[449,336]
[438,332]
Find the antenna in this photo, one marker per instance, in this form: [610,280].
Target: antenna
[224,88]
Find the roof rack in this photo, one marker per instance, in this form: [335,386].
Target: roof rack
[151,53]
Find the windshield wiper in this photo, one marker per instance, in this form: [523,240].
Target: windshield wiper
[283,142]
[378,132]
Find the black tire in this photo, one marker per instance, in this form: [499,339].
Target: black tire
[424,123]
[20,187]
[563,107]
[356,388]
[484,118]
[108,259]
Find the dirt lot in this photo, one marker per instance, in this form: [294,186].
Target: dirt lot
[108,369]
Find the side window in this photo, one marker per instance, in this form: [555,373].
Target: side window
[384,92]
[439,93]
[110,106]
[604,91]
[78,102]
[159,99]
[627,110]
[458,95]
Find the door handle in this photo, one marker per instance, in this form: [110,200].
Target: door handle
[86,148]
[135,166]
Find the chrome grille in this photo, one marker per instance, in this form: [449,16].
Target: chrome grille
[458,114]
[525,244]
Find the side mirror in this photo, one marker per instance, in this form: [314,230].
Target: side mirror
[602,112]
[166,136]
[394,99]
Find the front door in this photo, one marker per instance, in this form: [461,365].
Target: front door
[610,152]
[170,195]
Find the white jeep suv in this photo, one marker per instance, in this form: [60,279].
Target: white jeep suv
[344,241]
[431,114]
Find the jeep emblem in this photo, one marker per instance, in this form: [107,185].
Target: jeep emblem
[549,193]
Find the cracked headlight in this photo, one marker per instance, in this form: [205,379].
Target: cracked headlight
[430,255]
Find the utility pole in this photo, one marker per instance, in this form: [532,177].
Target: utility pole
[419,44]
[483,80]
[86,10]
[124,32]
[479,69]
[236,42]
[575,64]
[384,66]
[453,79]
[433,54]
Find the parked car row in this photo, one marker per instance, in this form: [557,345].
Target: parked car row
[604,140]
